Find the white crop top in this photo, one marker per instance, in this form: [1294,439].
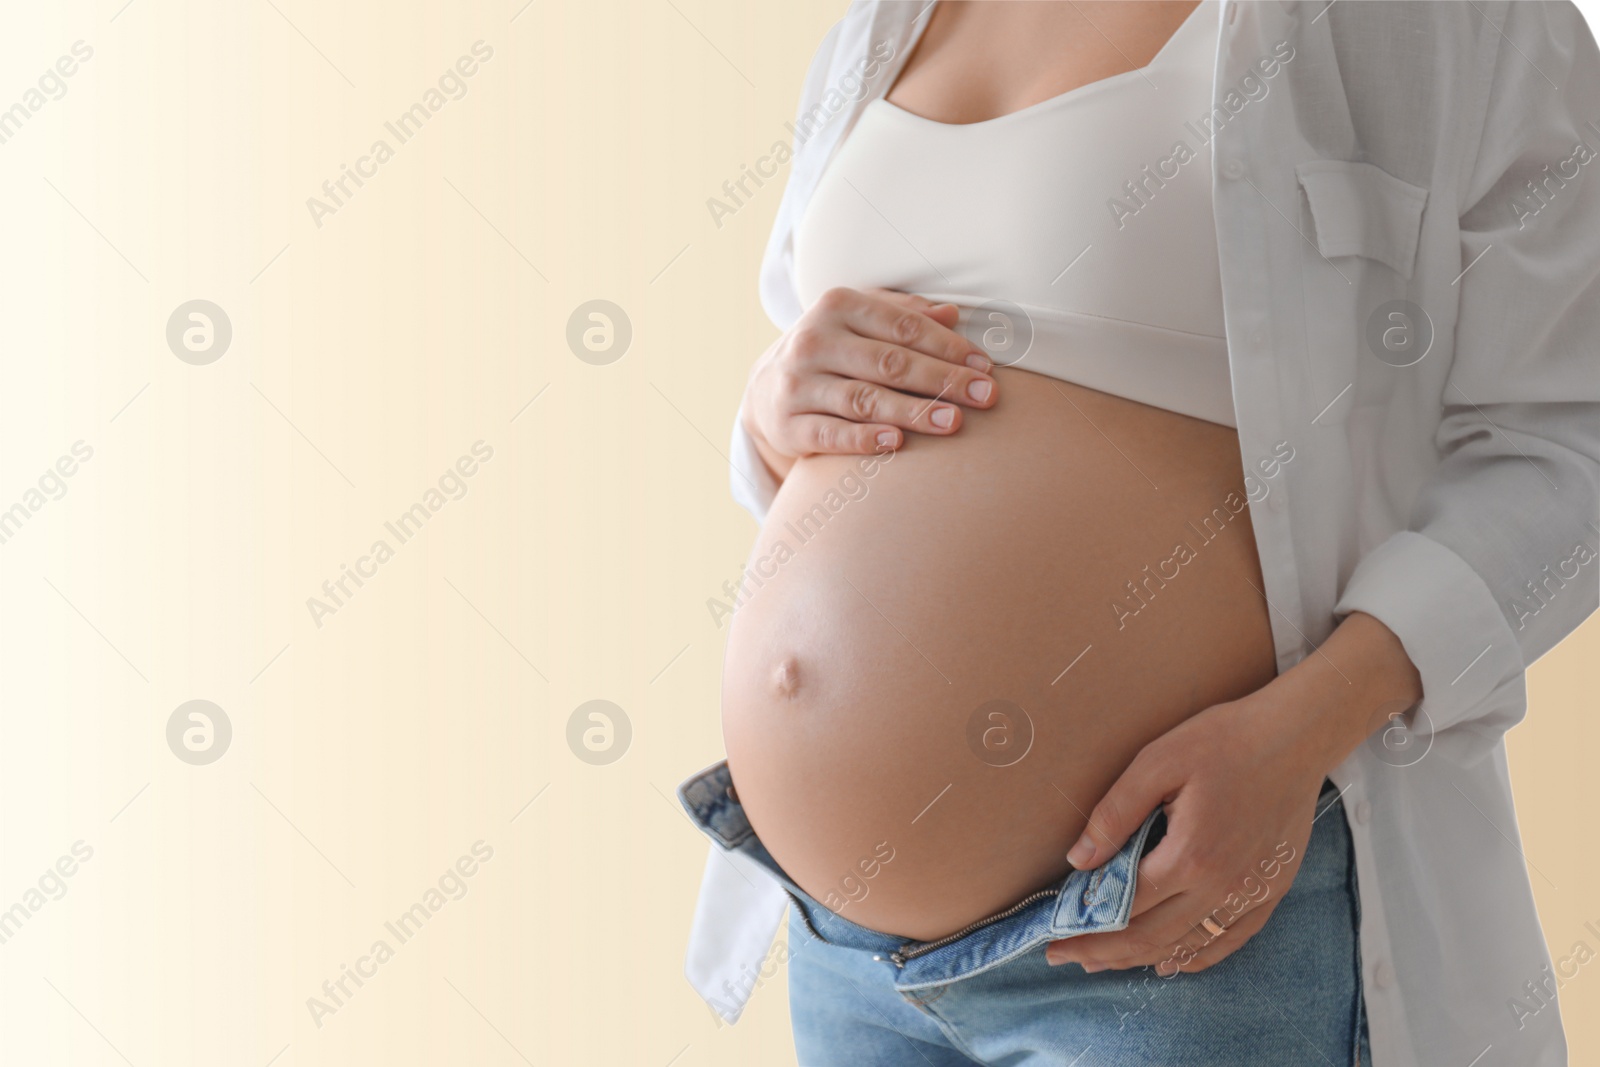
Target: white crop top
[1076,235]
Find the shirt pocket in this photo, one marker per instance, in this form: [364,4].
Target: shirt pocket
[1360,209]
[1362,228]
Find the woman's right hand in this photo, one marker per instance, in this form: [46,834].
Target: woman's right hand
[858,369]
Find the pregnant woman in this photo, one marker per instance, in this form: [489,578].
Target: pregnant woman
[1184,433]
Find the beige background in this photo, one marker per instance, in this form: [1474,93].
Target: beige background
[368,354]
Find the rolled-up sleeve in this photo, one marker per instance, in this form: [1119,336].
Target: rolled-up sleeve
[752,483]
[1498,562]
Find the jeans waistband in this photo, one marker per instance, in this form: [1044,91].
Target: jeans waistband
[1094,901]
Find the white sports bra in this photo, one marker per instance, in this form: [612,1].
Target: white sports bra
[1076,235]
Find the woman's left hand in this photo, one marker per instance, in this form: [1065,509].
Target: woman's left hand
[1240,783]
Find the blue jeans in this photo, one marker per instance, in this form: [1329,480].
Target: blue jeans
[862,998]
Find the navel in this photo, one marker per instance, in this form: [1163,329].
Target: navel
[786,678]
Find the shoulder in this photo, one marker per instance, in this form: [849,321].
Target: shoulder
[869,30]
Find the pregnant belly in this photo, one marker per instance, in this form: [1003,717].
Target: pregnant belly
[945,657]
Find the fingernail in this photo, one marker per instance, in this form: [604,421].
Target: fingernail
[886,439]
[1052,959]
[1090,968]
[943,417]
[1082,852]
[979,390]
[979,363]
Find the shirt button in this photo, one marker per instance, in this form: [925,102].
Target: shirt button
[1233,169]
[1383,975]
[1275,503]
[1363,813]
[1259,339]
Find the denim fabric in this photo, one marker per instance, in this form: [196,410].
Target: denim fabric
[863,998]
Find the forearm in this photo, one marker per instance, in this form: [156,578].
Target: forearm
[1343,692]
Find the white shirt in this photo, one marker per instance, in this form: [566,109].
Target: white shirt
[1430,152]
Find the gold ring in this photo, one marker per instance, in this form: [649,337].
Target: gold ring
[1212,927]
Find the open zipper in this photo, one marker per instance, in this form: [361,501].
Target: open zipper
[912,949]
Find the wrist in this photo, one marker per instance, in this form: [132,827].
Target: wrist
[1343,692]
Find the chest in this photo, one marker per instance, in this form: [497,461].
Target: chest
[976,61]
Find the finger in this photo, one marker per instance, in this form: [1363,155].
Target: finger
[900,296]
[1180,918]
[882,319]
[811,434]
[1154,937]
[847,354]
[1219,948]
[1146,939]
[1161,873]
[907,371]
[865,402]
[1205,940]
[946,315]
[1144,786]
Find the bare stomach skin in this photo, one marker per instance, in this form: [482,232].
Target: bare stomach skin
[945,657]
